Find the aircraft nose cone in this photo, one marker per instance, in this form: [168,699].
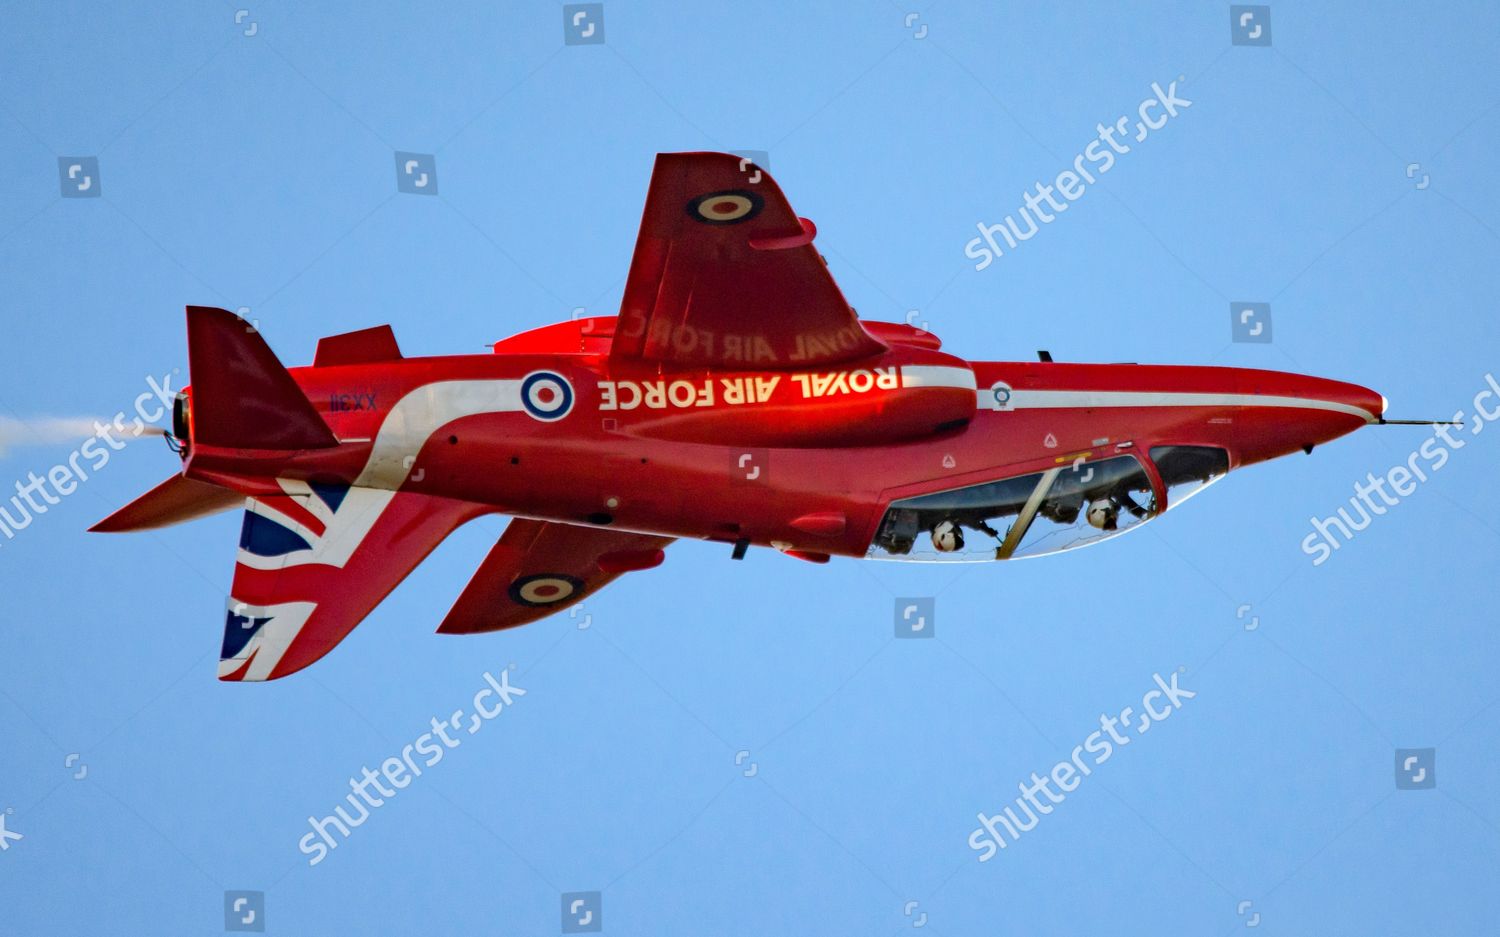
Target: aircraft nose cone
[1346,395]
[1318,411]
[1332,396]
[1349,407]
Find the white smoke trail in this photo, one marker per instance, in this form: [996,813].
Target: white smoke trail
[52,430]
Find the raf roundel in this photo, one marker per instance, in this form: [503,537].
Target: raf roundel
[544,589]
[546,395]
[730,207]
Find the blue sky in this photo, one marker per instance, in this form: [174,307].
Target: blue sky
[1342,174]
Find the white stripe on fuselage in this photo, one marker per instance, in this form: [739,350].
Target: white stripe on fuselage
[419,414]
[1085,399]
[408,426]
[936,375]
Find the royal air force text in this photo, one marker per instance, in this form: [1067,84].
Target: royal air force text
[737,391]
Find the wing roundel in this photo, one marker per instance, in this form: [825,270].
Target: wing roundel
[540,567]
[725,275]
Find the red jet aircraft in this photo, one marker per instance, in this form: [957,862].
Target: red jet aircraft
[735,398]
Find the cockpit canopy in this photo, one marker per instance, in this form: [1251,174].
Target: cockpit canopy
[1056,509]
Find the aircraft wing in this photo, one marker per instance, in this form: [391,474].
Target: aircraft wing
[540,567]
[314,562]
[725,275]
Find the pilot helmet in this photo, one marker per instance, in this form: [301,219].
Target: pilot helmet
[947,537]
[1103,514]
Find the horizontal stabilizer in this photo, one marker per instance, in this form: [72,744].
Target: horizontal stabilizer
[242,397]
[175,500]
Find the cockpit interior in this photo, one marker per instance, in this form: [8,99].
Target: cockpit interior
[1069,505]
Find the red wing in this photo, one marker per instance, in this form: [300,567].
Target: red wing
[725,275]
[539,567]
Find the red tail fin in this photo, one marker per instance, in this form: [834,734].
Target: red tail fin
[242,397]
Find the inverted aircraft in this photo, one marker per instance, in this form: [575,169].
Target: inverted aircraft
[735,398]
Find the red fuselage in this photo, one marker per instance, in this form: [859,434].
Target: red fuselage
[737,397]
[806,461]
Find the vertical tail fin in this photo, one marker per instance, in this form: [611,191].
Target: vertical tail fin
[314,562]
[242,397]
